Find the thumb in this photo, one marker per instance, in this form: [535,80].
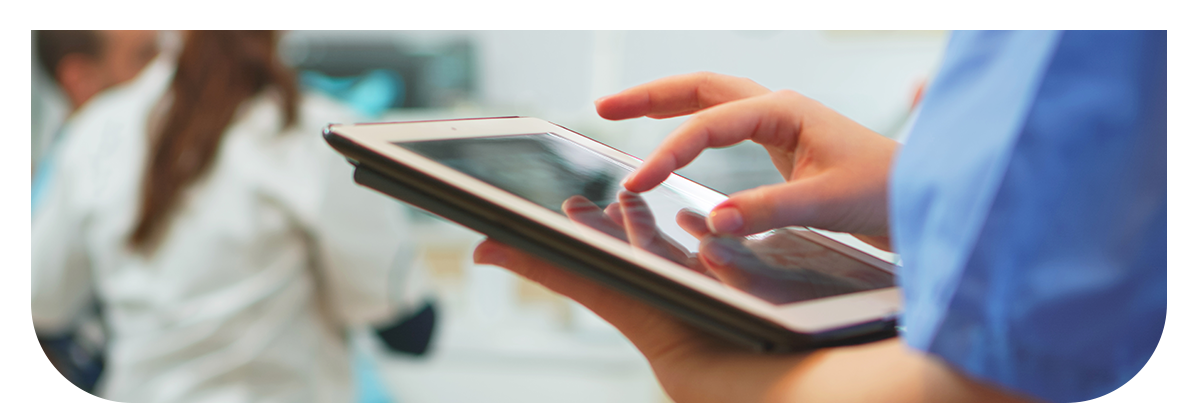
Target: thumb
[806,202]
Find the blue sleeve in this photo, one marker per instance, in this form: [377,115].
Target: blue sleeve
[1061,288]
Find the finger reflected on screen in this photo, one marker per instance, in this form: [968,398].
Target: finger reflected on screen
[693,222]
[614,213]
[724,259]
[778,268]
[581,210]
[643,230]
[639,220]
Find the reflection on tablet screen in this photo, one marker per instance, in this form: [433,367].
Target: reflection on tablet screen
[779,266]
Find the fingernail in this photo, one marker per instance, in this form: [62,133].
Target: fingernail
[625,182]
[597,101]
[725,220]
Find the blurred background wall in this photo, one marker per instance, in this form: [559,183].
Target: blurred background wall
[501,339]
[868,75]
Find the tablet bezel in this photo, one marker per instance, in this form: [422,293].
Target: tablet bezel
[805,317]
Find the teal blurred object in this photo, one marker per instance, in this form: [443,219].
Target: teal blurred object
[368,384]
[370,93]
[41,180]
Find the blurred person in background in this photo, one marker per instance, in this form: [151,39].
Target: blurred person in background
[74,67]
[84,63]
[226,241]
[79,65]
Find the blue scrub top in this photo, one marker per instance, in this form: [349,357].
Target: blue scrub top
[1030,207]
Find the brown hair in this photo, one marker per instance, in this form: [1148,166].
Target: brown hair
[53,45]
[217,71]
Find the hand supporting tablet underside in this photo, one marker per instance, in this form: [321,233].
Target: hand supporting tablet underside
[546,190]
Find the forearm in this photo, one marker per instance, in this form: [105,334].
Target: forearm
[693,366]
[885,371]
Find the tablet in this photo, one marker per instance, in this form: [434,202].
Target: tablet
[556,194]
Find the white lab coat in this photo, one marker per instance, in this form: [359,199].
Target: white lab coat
[266,260]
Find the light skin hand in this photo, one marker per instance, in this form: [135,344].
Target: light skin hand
[835,169]
[690,365]
[836,174]
[693,366]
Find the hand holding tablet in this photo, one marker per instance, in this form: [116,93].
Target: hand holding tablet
[540,187]
[687,294]
[982,199]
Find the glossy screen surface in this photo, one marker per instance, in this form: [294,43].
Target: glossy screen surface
[781,266]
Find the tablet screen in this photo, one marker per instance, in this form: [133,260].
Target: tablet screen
[779,266]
